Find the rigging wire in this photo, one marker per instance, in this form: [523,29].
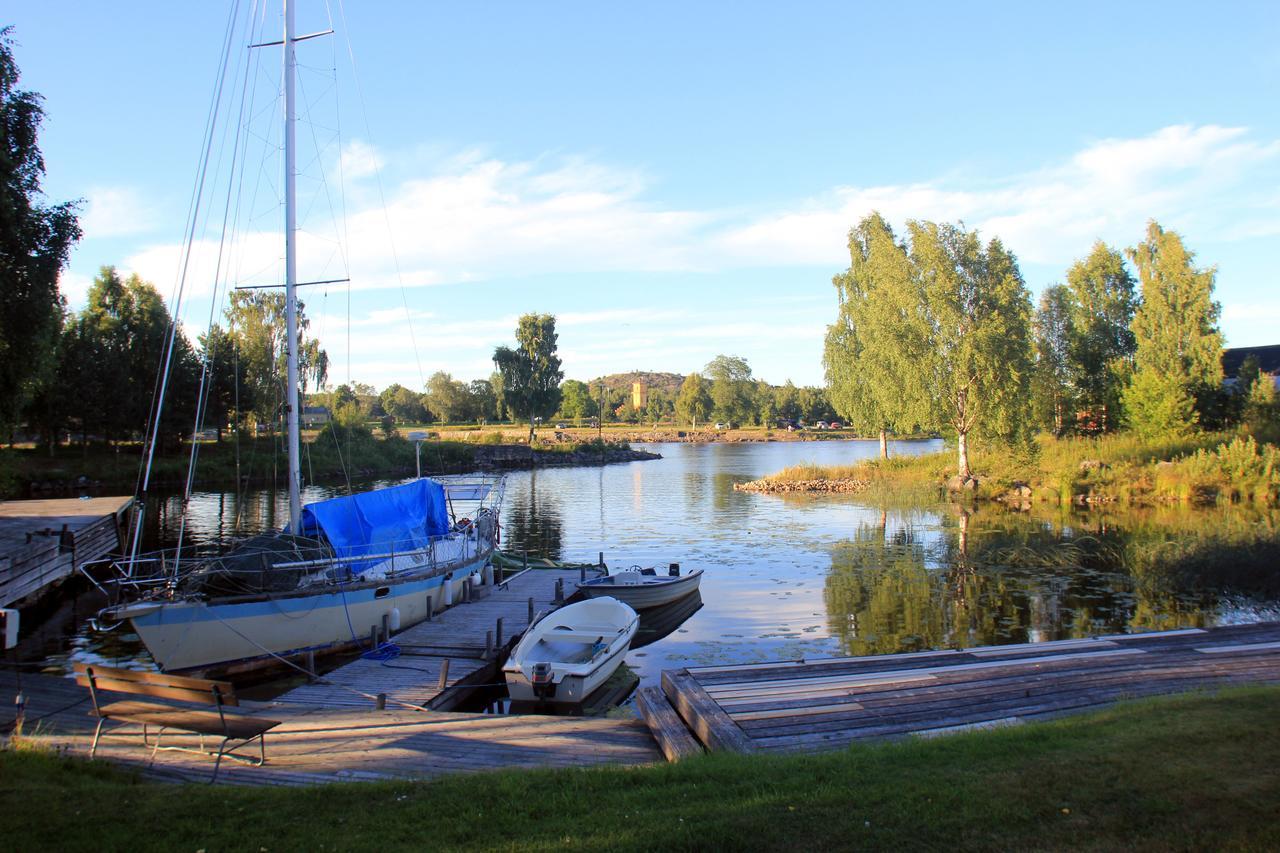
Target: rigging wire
[162,378]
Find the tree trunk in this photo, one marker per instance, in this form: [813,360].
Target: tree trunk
[884,444]
[962,451]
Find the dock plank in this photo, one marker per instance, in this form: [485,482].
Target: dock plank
[825,704]
[668,729]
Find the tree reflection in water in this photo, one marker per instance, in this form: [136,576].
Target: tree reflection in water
[996,576]
[534,522]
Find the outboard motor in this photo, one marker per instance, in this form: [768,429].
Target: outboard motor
[540,679]
[674,570]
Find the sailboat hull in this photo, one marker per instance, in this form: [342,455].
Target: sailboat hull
[189,636]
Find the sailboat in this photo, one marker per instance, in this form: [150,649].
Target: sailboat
[345,572]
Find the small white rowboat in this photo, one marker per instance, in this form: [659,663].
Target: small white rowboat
[643,588]
[565,656]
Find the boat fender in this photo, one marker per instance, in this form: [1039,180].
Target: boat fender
[394,619]
[447,585]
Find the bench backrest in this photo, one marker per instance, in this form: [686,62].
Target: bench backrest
[158,684]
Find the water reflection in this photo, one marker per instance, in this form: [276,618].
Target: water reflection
[994,576]
[533,520]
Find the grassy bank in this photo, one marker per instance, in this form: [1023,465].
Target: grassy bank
[1212,466]
[1189,772]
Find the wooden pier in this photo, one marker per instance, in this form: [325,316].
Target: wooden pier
[42,542]
[814,705]
[324,745]
[443,660]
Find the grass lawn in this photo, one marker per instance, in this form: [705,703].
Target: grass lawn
[1198,771]
[1121,467]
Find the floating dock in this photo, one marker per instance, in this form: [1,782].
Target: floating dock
[812,705]
[443,660]
[42,542]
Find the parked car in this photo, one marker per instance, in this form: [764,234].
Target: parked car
[562,425]
[721,425]
[820,425]
[837,425]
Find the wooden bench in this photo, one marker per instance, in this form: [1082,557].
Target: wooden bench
[239,729]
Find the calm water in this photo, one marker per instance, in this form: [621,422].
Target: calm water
[787,577]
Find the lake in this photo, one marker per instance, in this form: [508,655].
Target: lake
[817,576]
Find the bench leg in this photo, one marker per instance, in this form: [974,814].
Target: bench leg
[217,762]
[97,733]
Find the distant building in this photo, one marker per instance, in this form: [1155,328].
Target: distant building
[315,416]
[1268,362]
[639,396]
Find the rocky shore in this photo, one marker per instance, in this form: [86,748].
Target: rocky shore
[767,486]
[511,457]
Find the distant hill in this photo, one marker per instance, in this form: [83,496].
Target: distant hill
[668,382]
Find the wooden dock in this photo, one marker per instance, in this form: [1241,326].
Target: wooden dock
[43,541]
[814,705]
[456,638]
[325,745]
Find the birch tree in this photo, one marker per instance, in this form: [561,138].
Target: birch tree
[868,350]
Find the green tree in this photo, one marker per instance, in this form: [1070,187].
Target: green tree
[732,389]
[786,401]
[402,404]
[115,351]
[866,357]
[967,328]
[1052,389]
[1179,346]
[447,397]
[693,403]
[484,402]
[226,392]
[1102,343]
[575,400]
[35,240]
[531,372]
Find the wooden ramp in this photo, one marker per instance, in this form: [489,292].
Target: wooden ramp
[823,704]
[457,637]
[323,745]
[44,541]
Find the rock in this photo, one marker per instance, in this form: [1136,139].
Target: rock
[955,484]
[1021,489]
[971,484]
[1093,465]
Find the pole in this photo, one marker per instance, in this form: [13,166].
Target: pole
[417,457]
[291,272]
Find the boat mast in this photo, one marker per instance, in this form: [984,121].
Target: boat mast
[291,275]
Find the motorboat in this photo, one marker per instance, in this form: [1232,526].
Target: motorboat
[644,588]
[563,657]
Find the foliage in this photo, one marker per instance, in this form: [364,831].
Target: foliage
[35,241]
[866,355]
[257,321]
[1051,382]
[1237,469]
[1158,404]
[531,372]
[966,320]
[731,388]
[403,404]
[1261,409]
[447,398]
[694,403]
[575,400]
[1117,779]
[1176,326]
[1102,341]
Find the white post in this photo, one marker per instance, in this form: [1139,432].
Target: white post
[291,274]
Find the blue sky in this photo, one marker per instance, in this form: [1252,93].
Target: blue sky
[672,180]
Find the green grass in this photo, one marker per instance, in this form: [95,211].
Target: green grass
[1191,772]
[1207,467]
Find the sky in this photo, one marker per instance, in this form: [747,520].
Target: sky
[673,181]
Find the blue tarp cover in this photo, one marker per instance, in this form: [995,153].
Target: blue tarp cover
[398,518]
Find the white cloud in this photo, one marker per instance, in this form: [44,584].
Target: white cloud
[477,217]
[116,212]
[1181,175]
